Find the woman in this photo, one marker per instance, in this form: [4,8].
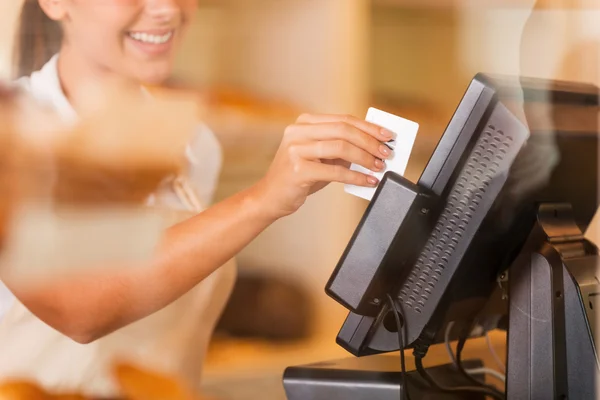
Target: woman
[135,41]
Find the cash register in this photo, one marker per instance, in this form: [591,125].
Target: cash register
[490,237]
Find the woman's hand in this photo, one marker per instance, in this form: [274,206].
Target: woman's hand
[319,149]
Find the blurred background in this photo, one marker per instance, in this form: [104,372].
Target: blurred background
[258,64]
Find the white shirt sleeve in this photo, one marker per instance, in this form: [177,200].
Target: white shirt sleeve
[205,158]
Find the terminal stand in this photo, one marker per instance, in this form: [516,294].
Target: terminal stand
[553,289]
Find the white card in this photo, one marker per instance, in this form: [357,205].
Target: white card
[405,132]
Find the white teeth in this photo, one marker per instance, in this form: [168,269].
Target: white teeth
[148,38]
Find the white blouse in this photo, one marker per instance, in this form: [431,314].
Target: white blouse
[173,340]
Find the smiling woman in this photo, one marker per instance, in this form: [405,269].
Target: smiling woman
[61,46]
[159,312]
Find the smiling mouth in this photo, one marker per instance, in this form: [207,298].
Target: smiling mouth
[149,38]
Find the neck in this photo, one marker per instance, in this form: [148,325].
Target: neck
[76,74]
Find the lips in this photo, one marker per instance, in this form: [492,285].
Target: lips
[152,43]
[150,38]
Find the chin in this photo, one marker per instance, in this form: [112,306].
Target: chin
[154,78]
[154,75]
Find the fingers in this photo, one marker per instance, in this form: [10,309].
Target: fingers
[337,149]
[377,132]
[319,172]
[328,131]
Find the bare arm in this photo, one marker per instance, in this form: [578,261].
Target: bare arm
[314,151]
[89,307]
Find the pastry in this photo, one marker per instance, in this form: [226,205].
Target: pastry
[21,390]
[138,384]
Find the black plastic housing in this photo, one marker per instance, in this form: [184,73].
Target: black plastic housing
[482,178]
[371,378]
[374,259]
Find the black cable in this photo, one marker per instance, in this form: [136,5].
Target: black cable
[458,389]
[462,340]
[404,388]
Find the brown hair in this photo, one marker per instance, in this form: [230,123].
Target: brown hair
[38,39]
